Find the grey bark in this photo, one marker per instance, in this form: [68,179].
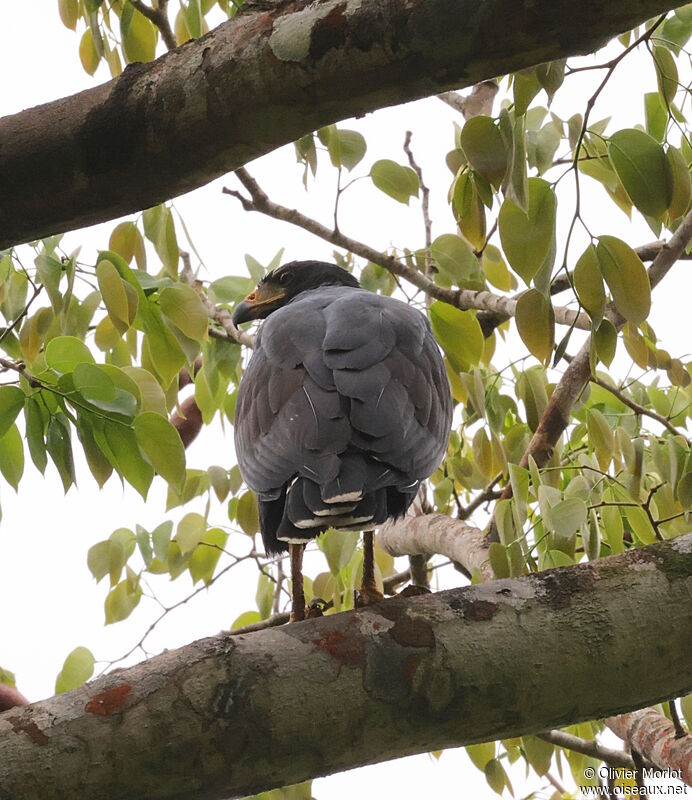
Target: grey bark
[230,716]
[265,78]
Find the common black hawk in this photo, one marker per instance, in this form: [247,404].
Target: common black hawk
[343,410]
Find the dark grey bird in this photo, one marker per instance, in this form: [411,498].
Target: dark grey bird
[342,411]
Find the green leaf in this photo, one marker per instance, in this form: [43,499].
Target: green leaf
[50,272]
[264,595]
[206,555]
[12,456]
[682,184]
[96,385]
[566,519]
[119,444]
[346,148]
[480,754]
[588,284]
[655,115]
[231,288]
[536,324]
[398,182]
[497,555]
[246,513]
[495,775]
[35,433]
[605,339]
[469,210]
[88,53]
[153,398]
[185,309]
[64,353]
[626,277]
[138,36]
[190,532]
[551,76]
[126,240]
[161,444]
[69,13]
[496,270]
[160,539]
[193,17]
[600,437]
[77,669]
[119,297]
[455,258]
[641,165]
[338,548]
[99,465]
[11,403]
[528,238]
[98,559]
[640,524]
[458,333]
[246,618]
[122,600]
[666,73]
[538,753]
[220,482]
[60,450]
[484,147]
[526,87]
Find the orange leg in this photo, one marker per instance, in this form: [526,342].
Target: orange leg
[369,593]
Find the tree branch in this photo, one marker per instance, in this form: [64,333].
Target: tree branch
[159,17]
[589,747]
[556,415]
[167,127]
[464,299]
[431,534]
[638,409]
[399,677]
[653,736]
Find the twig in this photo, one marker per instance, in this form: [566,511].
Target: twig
[647,412]
[159,16]
[271,622]
[425,203]
[478,101]
[464,299]
[588,747]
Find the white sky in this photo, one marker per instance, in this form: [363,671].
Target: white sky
[49,602]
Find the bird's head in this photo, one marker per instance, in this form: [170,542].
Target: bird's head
[282,284]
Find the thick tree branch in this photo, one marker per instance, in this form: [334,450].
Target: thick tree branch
[461,298]
[653,736]
[399,677]
[431,534]
[203,109]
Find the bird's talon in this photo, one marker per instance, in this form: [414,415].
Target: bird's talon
[413,590]
[367,596]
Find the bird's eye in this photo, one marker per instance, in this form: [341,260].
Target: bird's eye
[285,278]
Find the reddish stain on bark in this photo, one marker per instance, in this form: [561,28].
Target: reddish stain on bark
[109,702]
[348,649]
[410,666]
[31,729]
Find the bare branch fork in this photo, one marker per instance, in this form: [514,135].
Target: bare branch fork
[464,299]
